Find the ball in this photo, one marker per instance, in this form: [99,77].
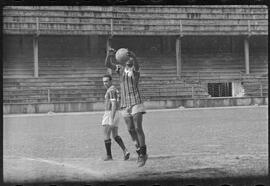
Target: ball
[121,55]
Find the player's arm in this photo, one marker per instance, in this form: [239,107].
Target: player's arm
[113,97]
[135,61]
[109,59]
[135,66]
[113,111]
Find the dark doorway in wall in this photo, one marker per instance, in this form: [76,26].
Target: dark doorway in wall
[220,89]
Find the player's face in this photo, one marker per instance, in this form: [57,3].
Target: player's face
[129,63]
[106,82]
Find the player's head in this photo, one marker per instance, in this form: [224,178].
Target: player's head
[130,62]
[107,80]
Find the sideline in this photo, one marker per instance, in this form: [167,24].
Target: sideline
[149,110]
[92,172]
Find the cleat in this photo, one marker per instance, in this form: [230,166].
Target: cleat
[126,155]
[142,160]
[108,158]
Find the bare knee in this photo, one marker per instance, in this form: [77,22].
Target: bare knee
[106,132]
[106,136]
[114,135]
[114,131]
[132,131]
[139,130]
[129,123]
[137,118]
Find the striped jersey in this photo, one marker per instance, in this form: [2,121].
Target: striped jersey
[129,79]
[112,94]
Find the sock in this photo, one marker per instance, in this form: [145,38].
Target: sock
[138,150]
[143,150]
[120,142]
[108,147]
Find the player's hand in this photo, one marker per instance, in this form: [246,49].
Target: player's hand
[131,54]
[118,67]
[110,39]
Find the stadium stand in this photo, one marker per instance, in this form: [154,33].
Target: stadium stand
[211,67]
[61,80]
[180,52]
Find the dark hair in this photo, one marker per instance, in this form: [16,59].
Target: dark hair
[108,76]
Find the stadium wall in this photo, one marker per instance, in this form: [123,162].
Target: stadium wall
[162,104]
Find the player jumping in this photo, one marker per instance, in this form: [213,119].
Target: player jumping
[131,102]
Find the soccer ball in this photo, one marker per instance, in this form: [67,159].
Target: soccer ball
[121,55]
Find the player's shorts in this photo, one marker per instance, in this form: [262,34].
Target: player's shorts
[131,111]
[106,120]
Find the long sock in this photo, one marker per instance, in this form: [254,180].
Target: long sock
[138,150]
[143,150]
[120,142]
[108,147]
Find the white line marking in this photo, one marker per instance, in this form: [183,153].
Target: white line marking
[208,108]
[86,170]
[206,154]
[53,114]
[150,155]
[149,110]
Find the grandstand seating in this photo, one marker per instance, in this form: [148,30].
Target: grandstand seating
[79,79]
[18,67]
[256,85]
[207,68]
[226,68]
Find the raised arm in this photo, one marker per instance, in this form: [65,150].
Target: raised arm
[135,61]
[109,59]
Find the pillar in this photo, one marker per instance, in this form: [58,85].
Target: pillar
[35,46]
[246,51]
[178,56]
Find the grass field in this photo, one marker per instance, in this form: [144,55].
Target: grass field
[182,143]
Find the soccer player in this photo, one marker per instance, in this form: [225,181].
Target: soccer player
[111,118]
[131,102]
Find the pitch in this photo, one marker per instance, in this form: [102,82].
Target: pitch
[182,143]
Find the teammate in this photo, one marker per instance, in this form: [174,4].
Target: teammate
[111,118]
[131,102]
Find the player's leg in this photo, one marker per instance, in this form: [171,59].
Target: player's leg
[132,132]
[107,141]
[137,113]
[139,129]
[120,142]
[131,129]
[137,120]
[130,126]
